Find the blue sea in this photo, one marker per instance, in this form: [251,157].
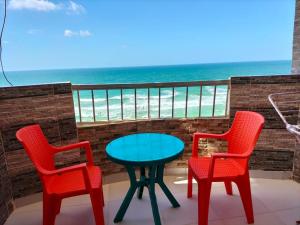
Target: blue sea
[192,72]
[172,73]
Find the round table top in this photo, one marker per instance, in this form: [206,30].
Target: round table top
[144,149]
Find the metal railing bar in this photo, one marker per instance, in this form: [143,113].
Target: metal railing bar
[93,102]
[148,85]
[122,112]
[186,100]
[159,86]
[158,102]
[226,106]
[200,100]
[173,98]
[214,101]
[148,103]
[107,104]
[79,107]
[135,110]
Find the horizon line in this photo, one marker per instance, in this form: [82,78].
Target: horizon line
[144,66]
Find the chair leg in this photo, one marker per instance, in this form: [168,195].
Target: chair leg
[102,199]
[204,189]
[96,199]
[57,206]
[190,183]
[228,187]
[243,184]
[49,210]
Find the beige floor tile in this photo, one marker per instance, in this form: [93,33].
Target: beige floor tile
[276,202]
[25,218]
[226,206]
[215,222]
[117,190]
[187,213]
[29,208]
[277,194]
[76,215]
[262,219]
[139,211]
[290,216]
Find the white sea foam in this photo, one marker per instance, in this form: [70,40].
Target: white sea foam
[166,103]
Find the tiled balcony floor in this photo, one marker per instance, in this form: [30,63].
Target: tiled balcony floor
[276,202]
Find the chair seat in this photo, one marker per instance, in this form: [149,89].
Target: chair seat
[224,168]
[72,183]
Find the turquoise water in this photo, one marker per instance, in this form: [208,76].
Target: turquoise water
[214,71]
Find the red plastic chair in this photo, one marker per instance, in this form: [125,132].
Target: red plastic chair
[66,182]
[226,167]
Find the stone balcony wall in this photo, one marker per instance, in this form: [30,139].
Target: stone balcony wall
[6,197]
[296,40]
[276,146]
[296,173]
[52,107]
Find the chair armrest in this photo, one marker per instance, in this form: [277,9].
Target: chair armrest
[229,155]
[84,144]
[197,136]
[220,156]
[82,167]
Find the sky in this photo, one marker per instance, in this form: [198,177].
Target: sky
[54,34]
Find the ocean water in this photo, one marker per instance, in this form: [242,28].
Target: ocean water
[195,72]
[212,71]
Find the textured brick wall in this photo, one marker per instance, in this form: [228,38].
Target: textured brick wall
[296,42]
[6,198]
[51,106]
[297,163]
[297,156]
[101,134]
[296,70]
[275,148]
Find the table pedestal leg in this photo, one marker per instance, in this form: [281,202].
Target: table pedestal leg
[133,186]
[156,173]
[143,181]
[160,181]
[152,181]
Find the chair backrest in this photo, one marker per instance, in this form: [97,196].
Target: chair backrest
[244,132]
[36,146]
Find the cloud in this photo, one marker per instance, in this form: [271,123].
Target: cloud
[69,33]
[71,8]
[74,8]
[84,33]
[38,5]
[81,33]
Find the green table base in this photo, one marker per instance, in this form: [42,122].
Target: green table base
[155,175]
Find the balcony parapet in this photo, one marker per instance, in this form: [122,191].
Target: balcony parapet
[52,106]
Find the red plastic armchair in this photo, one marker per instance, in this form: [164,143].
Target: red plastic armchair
[66,182]
[226,167]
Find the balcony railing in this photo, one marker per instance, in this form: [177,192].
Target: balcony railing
[110,102]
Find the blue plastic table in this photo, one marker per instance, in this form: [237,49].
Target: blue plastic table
[145,150]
